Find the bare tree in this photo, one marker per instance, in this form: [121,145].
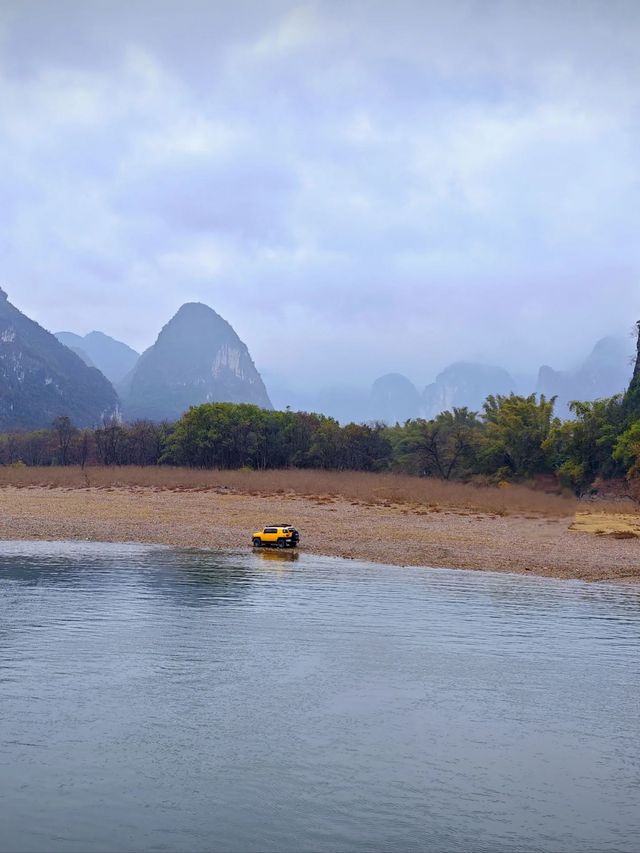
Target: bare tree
[65,432]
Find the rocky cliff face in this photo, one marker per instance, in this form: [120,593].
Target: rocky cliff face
[113,358]
[635,379]
[197,358]
[41,379]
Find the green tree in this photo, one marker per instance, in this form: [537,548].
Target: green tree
[364,447]
[325,449]
[444,447]
[228,435]
[514,435]
[627,449]
[582,449]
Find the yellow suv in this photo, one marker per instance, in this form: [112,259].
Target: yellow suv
[280,535]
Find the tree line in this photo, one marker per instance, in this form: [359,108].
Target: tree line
[513,438]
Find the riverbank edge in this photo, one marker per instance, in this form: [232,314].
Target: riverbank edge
[388,534]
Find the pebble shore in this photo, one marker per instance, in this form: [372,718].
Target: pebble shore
[392,534]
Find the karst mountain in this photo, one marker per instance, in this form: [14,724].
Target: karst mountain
[41,379]
[197,358]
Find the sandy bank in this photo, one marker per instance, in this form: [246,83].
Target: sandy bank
[398,534]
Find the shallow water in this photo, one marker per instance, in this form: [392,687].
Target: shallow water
[153,699]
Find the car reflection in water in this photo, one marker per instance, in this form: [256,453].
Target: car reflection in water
[277,555]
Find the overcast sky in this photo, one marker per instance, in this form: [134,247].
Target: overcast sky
[358,187]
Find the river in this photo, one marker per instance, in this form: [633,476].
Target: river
[154,699]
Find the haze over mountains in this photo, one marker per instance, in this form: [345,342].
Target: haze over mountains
[394,398]
[606,371]
[113,358]
[198,357]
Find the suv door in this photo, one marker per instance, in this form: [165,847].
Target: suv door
[270,534]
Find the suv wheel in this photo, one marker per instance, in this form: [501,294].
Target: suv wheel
[257,542]
[281,543]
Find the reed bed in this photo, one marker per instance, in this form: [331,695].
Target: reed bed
[321,486]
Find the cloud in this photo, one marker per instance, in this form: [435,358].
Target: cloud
[358,188]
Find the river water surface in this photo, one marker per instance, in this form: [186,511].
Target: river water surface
[153,699]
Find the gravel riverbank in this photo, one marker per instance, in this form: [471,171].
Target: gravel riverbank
[398,534]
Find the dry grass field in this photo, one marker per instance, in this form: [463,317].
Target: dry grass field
[383,518]
[370,489]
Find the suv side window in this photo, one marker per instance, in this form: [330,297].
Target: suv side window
[270,530]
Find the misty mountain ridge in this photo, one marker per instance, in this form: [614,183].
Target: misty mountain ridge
[393,398]
[604,372]
[465,383]
[197,358]
[113,358]
[41,379]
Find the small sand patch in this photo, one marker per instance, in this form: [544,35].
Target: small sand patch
[622,526]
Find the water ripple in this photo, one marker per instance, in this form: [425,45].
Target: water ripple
[161,699]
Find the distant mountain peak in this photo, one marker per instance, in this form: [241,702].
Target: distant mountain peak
[197,358]
[194,307]
[113,358]
[465,383]
[394,398]
[604,372]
